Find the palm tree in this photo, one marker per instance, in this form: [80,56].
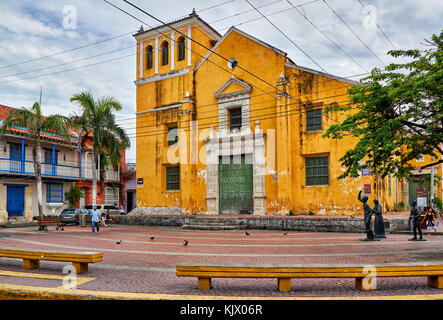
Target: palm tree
[97,118]
[33,120]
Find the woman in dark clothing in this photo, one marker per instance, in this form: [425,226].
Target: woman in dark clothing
[379,227]
[430,218]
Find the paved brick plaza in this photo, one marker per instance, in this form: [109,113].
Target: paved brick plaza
[139,265]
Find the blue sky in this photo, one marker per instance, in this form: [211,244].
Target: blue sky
[33,29]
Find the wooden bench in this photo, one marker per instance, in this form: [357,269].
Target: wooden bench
[50,221]
[31,257]
[364,275]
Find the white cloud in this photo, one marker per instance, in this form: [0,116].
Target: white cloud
[31,29]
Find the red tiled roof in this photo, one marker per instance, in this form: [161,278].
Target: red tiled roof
[4,112]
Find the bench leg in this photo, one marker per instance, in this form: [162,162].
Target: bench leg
[80,267]
[31,264]
[284,284]
[364,284]
[435,282]
[204,283]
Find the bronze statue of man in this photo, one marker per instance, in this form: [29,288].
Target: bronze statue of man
[367,217]
[379,227]
[415,217]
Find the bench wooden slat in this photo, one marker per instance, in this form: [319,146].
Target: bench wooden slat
[31,257]
[363,274]
[308,274]
[305,269]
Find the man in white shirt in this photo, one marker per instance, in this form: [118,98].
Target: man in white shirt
[95,219]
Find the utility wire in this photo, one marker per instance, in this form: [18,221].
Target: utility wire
[97,42]
[386,36]
[69,62]
[337,15]
[270,116]
[53,66]
[200,44]
[192,40]
[152,114]
[315,62]
[251,111]
[66,51]
[72,69]
[326,36]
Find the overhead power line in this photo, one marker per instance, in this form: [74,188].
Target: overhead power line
[356,35]
[97,42]
[69,62]
[326,36]
[199,107]
[251,111]
[193,40]
[310,58]
[269,116]
[379,28]
[168,25]
[66,51]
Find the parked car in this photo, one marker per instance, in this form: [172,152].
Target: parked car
[71,215]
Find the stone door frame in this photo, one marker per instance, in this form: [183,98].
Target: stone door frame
[236,145]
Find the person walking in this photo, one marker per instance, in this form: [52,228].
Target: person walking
[95,220]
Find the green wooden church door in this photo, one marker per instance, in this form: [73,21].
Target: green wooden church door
[235,186]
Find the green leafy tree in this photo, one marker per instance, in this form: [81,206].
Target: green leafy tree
[73,195]
[33,120]
[396,114]
[97,118]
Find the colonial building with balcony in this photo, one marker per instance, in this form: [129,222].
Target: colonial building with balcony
[63,166]
[110,182]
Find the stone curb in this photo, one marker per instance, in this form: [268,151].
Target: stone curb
[14,292]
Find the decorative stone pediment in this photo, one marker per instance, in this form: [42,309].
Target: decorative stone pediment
[232,87]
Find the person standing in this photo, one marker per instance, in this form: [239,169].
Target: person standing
[379,227]
[415,218]
[367,216]
[430,218]
[95,220]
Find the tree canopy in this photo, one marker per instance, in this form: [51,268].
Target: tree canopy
[396,114]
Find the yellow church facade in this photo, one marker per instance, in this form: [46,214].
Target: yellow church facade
[229,124]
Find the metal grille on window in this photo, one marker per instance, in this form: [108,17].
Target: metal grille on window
[111,196]
[317,171]
[235,119]
[181,49]
[172,135]
[54,192]
[314,119]
[173,178]
[165,53]
[149,57]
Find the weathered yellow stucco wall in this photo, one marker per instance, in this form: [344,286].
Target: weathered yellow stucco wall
[279,94]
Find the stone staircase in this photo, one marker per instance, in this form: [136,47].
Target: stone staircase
[214,223]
